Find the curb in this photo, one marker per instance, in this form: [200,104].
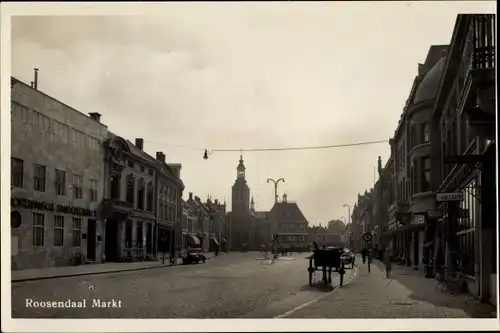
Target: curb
[93,273]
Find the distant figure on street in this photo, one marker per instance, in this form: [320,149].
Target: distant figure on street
[364,253]
[387,264]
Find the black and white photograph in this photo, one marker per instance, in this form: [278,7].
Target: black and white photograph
[328,162]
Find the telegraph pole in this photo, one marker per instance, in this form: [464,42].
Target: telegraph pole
[275,187]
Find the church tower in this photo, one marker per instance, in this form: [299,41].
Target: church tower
[252,206]
[241,191]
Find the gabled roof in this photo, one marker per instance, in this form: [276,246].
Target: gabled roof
[286,211]
[260,215]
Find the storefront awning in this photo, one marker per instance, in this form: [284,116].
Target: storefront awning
[215,241]
[195,239]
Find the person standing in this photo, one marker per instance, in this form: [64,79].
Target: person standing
[387,264]
[364,253]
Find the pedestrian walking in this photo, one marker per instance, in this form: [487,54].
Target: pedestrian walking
[369,256]
[387,264]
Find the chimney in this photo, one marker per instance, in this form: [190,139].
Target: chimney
[95,116]
[159,155]
[421,69]
[139,143]
[380,165]
[32,84]
[284,197]
[217,201]
[163,158]
[190,195]
[35,82]
[176,168]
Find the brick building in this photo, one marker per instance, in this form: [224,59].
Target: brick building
[57,174]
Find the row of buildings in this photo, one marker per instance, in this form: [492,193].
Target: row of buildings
[434,203]
[82,194]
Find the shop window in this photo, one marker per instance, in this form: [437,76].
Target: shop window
[17,171]
[139,234]
[77,186]
[128,235]
[93,190]
[39,178]
[58,230]
[77,231]
[60,182]
[150,197]
[38,229]
[130,188]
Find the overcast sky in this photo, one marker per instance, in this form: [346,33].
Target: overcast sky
[246,75]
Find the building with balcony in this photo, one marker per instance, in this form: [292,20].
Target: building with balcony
[129,201]
[57,174]
[463,135]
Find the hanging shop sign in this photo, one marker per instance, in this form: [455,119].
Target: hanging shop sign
[367,236]
[434,214]
[458,196]
[51,207]
[418,220]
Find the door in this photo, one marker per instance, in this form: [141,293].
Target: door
[149,238]
[91,240]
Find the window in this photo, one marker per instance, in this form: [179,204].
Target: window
[302,228]
[140,194]
[292,238]
[77,186]
[150,172]
[466,228]
[92,143]
[130,163]
[426,132]
[17,171]
[60,183]
[139,235]
[130,188]
[115,186]
[150,196]
[128,234]
[58,230]
[39,183]
[38,229]
[93,190]
[141,168]
[33,118]
[77,231]
[426,174]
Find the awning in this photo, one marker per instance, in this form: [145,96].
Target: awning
[215,241]
[195,239]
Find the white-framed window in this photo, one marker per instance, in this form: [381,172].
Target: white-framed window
[60,182]
[38,229]
[58,230]
[93,190]
[77,186]
[39,177]
[77,231]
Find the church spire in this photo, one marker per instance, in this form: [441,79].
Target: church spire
[252,205]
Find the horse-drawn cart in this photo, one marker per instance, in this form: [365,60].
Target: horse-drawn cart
[326,260]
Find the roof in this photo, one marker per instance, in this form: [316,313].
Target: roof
[428,89]
[147,158]
[286,211]
[260,215]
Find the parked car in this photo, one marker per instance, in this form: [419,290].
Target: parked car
[194,256]
[347,257]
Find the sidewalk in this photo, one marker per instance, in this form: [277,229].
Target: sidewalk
[406,295]
[89,269]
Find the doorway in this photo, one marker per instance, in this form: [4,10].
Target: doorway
[149,238]
[111,240]
[91,240]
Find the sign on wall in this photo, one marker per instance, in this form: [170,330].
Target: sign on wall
[458,196]
[50,207]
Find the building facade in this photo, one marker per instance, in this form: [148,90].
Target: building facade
[129,205]
[168,200]
[57,174]
[464,129]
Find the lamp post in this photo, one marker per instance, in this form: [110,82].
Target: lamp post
[275,187]
[349,222]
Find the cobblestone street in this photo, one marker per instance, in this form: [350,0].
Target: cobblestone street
[406,295]
[231,286]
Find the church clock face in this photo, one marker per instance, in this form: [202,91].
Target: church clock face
[241,174]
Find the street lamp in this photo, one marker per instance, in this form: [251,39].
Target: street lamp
[275,187]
